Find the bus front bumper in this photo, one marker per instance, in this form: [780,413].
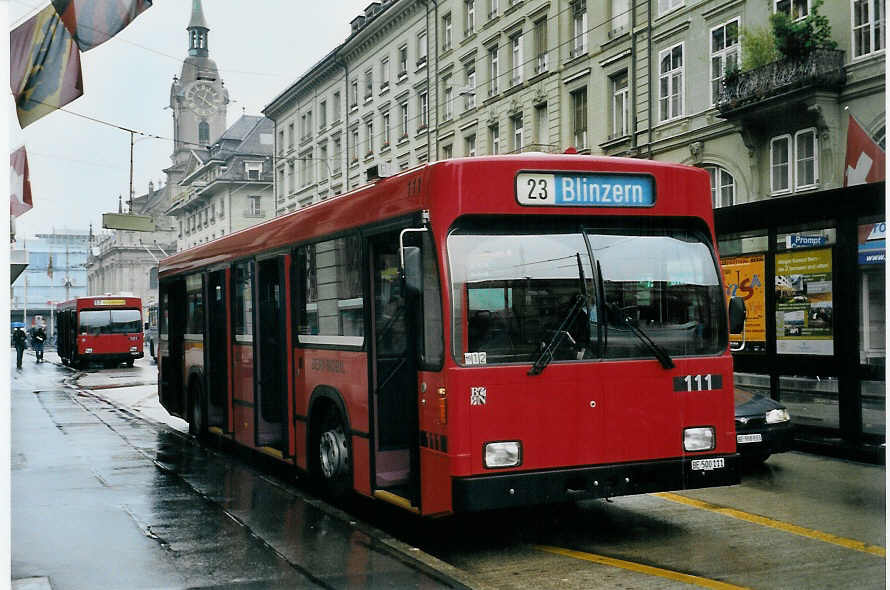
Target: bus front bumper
[505,490]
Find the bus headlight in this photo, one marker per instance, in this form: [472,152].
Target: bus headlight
[698,439]
[778,415]
[88,351]
[503,454]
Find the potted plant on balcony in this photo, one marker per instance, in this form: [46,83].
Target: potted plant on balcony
[797,39]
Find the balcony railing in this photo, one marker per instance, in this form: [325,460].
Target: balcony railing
[823,69]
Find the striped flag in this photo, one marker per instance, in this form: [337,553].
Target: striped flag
[93,22]
[44,66]
[19,184]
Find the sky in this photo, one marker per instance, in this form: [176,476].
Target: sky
[78,167]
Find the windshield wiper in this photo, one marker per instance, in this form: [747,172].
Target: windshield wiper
[581,299]
[547,354]
[660,353]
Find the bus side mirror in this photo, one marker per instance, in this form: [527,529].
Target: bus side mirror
[737,315]
[413,269]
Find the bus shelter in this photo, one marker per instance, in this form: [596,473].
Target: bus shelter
[811,270]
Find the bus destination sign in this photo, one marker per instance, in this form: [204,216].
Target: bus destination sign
[572,189]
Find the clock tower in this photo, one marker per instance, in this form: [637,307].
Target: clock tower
[198,98]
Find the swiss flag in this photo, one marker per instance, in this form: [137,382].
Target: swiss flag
[865,158]
[19,183]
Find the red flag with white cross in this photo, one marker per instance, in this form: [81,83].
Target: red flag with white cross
[865,158]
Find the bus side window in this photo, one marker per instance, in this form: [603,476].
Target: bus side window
[433,354]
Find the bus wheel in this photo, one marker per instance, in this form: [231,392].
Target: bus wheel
[130,363]
[334,471]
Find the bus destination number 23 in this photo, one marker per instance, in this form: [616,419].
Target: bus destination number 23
[705,382]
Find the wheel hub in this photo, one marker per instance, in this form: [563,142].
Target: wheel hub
[333,453]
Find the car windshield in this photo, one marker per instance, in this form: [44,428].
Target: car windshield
[110,321]
[512,293]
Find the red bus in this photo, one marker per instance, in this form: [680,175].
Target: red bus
[471,334]
[101,329]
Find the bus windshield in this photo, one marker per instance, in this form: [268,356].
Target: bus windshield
[514,292]
[110,321]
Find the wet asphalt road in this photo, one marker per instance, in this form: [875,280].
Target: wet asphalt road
[147,508]
[104,499]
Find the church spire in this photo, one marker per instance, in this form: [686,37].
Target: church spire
[198,31]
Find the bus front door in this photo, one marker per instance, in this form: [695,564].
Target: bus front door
[216,350]
[271,377]
[394,375]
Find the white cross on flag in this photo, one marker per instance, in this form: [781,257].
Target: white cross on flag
[19,183]
[865,158]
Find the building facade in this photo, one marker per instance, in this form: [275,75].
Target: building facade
[56,272]
[417,81]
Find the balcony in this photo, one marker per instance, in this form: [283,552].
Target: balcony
[773,84]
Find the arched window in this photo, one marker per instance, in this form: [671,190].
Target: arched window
[203,132]
[722,186]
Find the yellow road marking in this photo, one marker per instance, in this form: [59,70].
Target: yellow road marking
[777,524]
[643,569]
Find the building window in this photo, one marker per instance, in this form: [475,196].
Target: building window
[281,141]
[541,46]
[516,54]
[423,104]
[722,187]
[494,139]
[470,145]
[725,51]
[542,134]
[354,154]
[670,83]
[386,136]
[203,133]
[336,106]
[469,17]
[780,172]
[619,105]
[322,115]
[492,8]
[290,137]
[668,5]
[806,159]
[868,27]
[353,99]
[579,118]
[403,61]
[620,17]
[446,32]
[369,137]
[493,70]
[369,84]
[421,49]
[253,206]
[403,120]
[323,166]
[447,98]
[447,152]
[470,87]
[337,155]
[517,133]
[579,28]
[384,74]
[798,9]
[253,170]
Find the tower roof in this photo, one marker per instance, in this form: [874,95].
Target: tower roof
[197,19]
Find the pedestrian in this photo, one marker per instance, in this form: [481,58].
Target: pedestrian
[19,339]
[38,337]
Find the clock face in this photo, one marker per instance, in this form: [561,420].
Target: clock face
[203,98]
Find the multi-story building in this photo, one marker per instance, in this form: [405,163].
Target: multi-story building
[227,186]
[56,272]
[416,81]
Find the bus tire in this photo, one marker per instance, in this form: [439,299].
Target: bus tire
[129,362]
[332,455]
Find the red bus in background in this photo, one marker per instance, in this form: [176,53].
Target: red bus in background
[471,334]
[101,329]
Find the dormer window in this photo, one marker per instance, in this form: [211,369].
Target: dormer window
[253,170]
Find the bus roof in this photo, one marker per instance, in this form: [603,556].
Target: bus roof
[449,189]
[102,301]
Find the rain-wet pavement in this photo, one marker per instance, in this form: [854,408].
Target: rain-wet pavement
[102,498]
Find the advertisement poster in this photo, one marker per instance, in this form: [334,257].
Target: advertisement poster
[804,302]
[872,249]
[743,277]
